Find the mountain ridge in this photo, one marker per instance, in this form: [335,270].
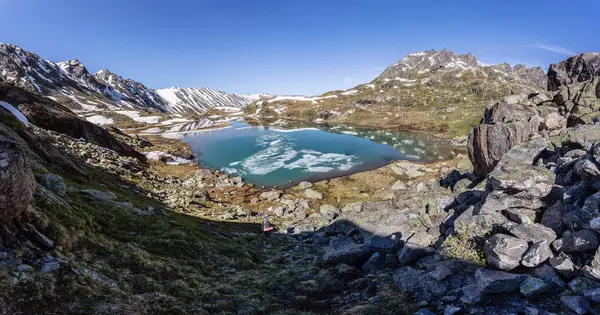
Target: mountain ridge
[71,83]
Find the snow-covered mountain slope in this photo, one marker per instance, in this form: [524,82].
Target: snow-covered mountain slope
[198,100]
[70,83]
[135,91]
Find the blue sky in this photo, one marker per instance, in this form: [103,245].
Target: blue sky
[290,46]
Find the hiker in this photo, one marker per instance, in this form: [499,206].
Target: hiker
[267,227]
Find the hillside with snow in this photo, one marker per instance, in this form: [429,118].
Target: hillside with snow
[71,84]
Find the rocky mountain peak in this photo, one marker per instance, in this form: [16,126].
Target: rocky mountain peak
[430,60]
[575,69]
[78,71]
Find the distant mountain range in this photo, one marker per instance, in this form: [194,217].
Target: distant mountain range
[430,89]
[71,84]
[438,90]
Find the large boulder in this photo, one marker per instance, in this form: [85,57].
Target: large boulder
[504,126]
[516,182]
[17,183]
[504,251]
[48,114]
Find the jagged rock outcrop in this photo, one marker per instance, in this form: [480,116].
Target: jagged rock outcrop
[575,84]
[576,69]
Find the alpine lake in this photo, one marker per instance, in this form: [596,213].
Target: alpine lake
[285,154]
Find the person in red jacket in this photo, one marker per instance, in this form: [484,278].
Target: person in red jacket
[267,227]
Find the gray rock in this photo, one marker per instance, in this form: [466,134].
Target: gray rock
[389,244]
[415,247]
[537,254]
[17,183]
[305,185]
[592,270]
[377,261]
[50,266]
[533,232]
[521,215]
[451,310]
[578,304]
[577,242]
[422,287]
[563,265]
[3,255]
[553,217]
[54,183]
[313,194]
[491,281]
[98,195]
[504,251]
[548,274]
[587,169]
[533,286]
[354,207]
[471,294]
[579,68]
[477,225]
[391,259]
[303,228]
[24,268]
[591,206]
[399,185]
[345,250]
[580,285]
[270,195]
[38,238]
[441,272]
[488,142]
[593,295]
[424,311]
[329,212]
[595,224]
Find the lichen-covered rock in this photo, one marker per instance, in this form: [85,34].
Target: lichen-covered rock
[533,286]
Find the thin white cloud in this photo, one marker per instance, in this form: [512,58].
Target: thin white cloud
[348,79]
[556,49]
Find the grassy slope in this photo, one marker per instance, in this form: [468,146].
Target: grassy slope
[445,106]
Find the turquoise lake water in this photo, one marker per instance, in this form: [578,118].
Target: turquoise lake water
[274,156]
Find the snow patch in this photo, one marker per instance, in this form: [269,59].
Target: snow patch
[17,113]
[100,120]
[135,115]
